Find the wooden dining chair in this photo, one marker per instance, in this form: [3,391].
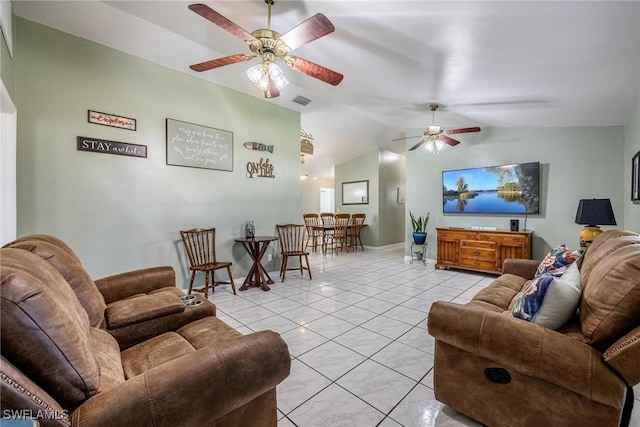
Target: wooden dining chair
[311,222]
[357,222]
[339,238]
[292,240]
[200,246]
[328,218]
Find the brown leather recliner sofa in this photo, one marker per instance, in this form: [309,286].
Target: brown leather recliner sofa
[124,350]
[504,371]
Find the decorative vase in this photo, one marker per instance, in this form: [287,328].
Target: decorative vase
[419,238]
[249,230]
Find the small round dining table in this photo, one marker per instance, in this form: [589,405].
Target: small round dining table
[256,248]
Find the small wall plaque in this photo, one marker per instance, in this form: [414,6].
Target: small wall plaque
[95,145]
[261,169]
[112,120]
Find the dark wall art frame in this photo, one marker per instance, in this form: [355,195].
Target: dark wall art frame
[355,192]
[635,178]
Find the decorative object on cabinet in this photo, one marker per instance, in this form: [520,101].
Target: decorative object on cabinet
[107,119]
[419,227]
[480,250]
[592,213]
[355,192]
[198,146]
[635,178]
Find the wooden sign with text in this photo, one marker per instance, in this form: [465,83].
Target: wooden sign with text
[95,145]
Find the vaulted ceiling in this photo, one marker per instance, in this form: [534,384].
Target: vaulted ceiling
[488,63]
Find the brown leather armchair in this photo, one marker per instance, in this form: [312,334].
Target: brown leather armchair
[59,368]
[503,371]
[131,306]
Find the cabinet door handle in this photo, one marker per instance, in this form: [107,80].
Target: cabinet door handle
[469,236]
[476,253]
[485,237]
[516,239]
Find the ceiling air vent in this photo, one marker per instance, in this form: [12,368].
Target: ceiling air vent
[301,100]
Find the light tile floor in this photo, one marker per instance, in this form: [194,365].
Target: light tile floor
[361,354]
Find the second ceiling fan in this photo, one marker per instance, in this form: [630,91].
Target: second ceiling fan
[435,135]
[271,46]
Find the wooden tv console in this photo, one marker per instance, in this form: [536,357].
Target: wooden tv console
[480,250]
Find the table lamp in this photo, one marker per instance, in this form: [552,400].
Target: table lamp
[592,213]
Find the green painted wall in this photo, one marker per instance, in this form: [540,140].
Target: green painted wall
[577,163]
[385,217]
[631,147]
[121,213]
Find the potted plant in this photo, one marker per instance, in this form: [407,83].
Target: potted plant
[419,225]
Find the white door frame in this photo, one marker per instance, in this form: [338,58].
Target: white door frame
[8,188]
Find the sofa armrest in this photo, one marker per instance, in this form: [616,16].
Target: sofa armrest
[528,349]
[520,267]
[194,389]
[124,285]
[623,356]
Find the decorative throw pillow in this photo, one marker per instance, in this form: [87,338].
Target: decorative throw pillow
[558,261]
[550,301]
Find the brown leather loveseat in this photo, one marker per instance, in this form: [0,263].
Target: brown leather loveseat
[124,350]
[503,371]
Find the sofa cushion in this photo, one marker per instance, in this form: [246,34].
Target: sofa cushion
[550,301]
[611,287]
[154,352]
[107,353]
[71,269]
[141,308]
[558,260]
[501,291]
[57,351]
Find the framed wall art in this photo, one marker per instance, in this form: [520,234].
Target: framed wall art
[198,146]
[635,178]
[355,193]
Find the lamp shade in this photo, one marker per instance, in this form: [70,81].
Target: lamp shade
[595,212]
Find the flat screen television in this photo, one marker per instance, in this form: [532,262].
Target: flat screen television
[504,189]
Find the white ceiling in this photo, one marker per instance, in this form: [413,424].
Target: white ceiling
[489,63]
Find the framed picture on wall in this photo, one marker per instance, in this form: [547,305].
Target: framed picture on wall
[635,178]
[355,192]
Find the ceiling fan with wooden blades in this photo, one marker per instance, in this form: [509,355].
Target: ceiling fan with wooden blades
[271,46]
[435,135]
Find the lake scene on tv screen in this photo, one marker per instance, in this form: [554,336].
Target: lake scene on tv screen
[505,189]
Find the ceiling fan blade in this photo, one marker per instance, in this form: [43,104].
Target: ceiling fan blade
[406,137]
[272,91]
[314,70]
[452,142]
[422,141]
[213,16]
[220,62]
[463,130]
[307,31]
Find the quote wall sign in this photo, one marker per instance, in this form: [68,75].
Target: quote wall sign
[95,145]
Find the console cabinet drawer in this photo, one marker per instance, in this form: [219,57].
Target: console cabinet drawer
[480,250]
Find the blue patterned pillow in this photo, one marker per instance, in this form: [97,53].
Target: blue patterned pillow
[530,300]
[558,261]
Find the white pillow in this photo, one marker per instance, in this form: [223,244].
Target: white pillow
[561,300]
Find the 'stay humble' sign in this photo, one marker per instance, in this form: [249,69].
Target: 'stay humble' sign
[84,143]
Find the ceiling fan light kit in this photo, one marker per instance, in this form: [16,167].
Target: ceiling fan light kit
[270,46]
